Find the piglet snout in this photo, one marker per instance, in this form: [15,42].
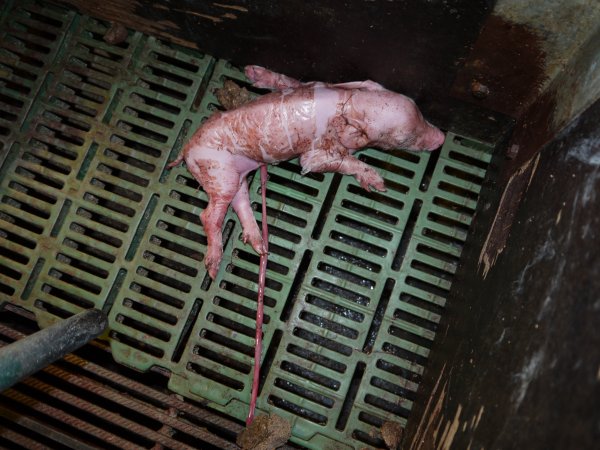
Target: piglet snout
[432,139]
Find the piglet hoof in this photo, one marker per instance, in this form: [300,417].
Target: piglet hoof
[256,242]
[212,261]
[370,178]
[255,74]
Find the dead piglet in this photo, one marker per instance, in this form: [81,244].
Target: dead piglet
[323,124]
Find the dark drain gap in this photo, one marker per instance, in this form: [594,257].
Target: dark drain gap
[463,175]
[352,259]
[383,198]
[299,276]
[395,389]
[25,207]
[138,345]
[29,173]
[60,220]
[469,160]
[295,185]
[447,204]
[460,191]
[402,353]
[427,305]
[20,223]
[15,238]
[130,161]
[316,358]
[102,219]
[232,325]
[394,408]
[222,360]
[310,375]
[94,234]
[370,213]
[187,66]
[378,316]
[286,200]
[335,308]
[192,317]
[220,339]
[252,276]
[154,103]
[370,440]
[172,77]
[410,336]
[327,324]
[452,241]
[51,309]
[245,292]
[340,291]
[407,235]
[326,206]
[135,145]
[66,296]
[268,358]
[303,392]
[297,410]
[163,279]
[357,243]
[215,376]
[346,408]
[428,172]
[170,264]
[114,290]
[157,295]
[238,309]
[141,229]
[370,419]
[82,266]
[346,275]
[204,84]
[322,341]
[180,232]
[253,258]
[33,277]
[87,160]
[364,228]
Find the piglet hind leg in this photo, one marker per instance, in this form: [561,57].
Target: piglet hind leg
[250,234]
[221,184]
[344,163]
[264,78]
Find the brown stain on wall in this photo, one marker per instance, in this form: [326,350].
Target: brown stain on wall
[509,60]
[495,241]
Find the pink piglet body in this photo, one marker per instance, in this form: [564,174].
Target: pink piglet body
[322,124]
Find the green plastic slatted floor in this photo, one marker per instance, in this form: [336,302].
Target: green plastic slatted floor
[89,217]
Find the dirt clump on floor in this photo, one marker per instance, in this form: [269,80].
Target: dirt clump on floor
[232,96]
[265,433]
[392,434]
[116,34]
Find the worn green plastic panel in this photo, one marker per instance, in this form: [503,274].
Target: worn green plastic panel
[90,217]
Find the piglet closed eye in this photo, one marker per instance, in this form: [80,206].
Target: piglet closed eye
[322,124]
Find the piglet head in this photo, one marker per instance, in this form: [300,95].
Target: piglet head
[392,120]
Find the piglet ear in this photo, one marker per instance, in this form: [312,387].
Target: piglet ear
[350,132]
[366,85]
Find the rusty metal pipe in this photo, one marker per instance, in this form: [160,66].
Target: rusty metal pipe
[32,353]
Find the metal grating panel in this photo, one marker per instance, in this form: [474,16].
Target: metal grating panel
[89,217]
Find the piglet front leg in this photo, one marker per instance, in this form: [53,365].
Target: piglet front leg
[342,162]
